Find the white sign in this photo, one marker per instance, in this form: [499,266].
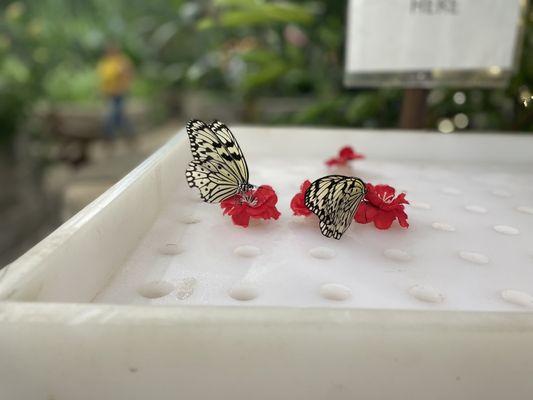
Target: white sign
[431,38]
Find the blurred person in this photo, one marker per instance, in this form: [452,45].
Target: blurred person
[116,74]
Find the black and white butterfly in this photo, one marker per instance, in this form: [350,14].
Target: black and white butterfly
[218,169]
[334,199]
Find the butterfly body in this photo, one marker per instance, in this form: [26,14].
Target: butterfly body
[218,168]
[334,199]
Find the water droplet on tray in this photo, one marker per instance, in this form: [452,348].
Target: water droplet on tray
[243,292]
[397,255]
[155,289]
[473,257]
[506,230]
[322,253]
[185,288]
[335,291]
[476,209]
[426,293]
[517,297]
[247,251]
[443,226]
[524,209]
[501,193]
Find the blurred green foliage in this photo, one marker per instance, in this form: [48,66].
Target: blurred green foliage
[287,57]
[244,50]
[49,50]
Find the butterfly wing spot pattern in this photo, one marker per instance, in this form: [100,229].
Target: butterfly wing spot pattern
[218,169]
[334,199]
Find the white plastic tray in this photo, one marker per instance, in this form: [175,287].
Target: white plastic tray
[290,340]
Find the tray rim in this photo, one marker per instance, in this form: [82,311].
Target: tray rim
[53,313]
[27,265]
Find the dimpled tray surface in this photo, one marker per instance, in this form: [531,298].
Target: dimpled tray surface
[468,246]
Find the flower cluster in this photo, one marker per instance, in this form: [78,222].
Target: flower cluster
[380,206]
[346,154]
[255,203]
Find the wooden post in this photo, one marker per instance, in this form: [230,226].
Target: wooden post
[414,109]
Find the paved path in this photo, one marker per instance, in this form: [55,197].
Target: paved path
[109,163]
[62,191]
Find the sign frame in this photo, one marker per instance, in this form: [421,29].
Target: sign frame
[490,77]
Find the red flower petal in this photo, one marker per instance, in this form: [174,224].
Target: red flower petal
[371,212]
[360,214]
[241,219]
[305,185]
[258,203]
[402,219]
[384,219]
[347,153]
[229,205]
[335,161]
[401,199]
[382,207]
[298,206]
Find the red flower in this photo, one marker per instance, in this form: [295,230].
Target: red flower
[255,203]
[347,153]
[298,201]
[382,207]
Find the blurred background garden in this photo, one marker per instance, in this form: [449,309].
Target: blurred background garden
[260,62]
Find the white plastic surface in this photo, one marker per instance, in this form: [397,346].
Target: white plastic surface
[428,312]
[285,262]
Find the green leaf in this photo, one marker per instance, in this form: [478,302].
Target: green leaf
[253,14]
[266,76]
[260,56]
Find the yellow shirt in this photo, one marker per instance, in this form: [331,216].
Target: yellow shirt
[115,74]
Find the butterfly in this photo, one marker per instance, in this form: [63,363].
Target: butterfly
[218,168]
[334,199]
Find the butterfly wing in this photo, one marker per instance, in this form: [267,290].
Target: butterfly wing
[203,141]
[212,179]
[334,199]
[230,144]
[218,168]
[345,214]
[216,142]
